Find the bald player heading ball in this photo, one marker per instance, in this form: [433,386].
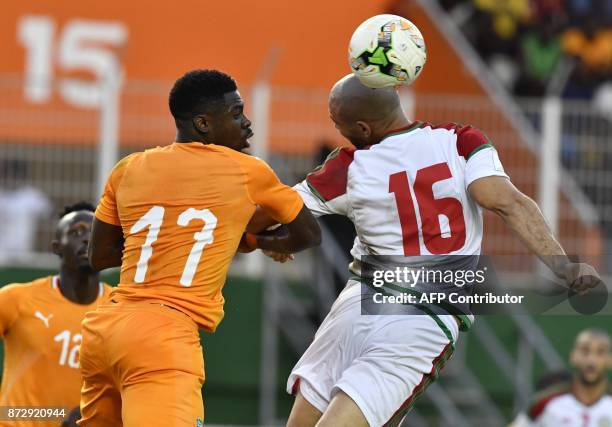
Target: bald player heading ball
[396,183]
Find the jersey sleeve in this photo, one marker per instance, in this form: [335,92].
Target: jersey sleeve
[481,157]
[107,208]
[280,201]
[317,204]
[9,307]
[324,189]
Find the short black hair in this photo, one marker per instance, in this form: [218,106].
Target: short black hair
[191,92]
[79,206]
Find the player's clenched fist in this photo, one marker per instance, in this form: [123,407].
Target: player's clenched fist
[580,277]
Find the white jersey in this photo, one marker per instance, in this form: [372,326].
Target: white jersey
[566,411]
[407,195]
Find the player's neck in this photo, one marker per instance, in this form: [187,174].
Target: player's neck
[398,122]
[588,394]
[81,287]
[187,135]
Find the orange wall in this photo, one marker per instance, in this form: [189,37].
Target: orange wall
[168,38]
[165,39]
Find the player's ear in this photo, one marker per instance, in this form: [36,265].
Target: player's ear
[55,247]
[200,123]
[364,128]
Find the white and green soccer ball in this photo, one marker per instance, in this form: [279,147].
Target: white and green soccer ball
[387,50]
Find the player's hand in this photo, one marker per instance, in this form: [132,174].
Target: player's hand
[245,246]
[581,277]
[278,257]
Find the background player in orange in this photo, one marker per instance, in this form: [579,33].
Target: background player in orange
[40,323]
[173,218]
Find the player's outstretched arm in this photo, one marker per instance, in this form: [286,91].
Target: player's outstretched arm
[525,219]
[301,233]
[105,246]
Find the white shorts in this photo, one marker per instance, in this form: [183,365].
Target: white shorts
[382,362]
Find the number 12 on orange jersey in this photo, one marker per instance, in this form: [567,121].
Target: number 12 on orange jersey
[154,219]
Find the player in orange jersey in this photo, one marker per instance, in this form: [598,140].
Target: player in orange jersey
[40,323]
[173,218]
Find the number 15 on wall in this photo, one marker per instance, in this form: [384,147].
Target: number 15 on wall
[81,46]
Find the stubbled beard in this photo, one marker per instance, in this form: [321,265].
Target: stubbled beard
[591,382]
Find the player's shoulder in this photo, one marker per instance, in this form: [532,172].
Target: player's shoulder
[330,178]
[122,165]
[252,167]
[470,139]
[243,159]
[26,288]
[550,402]
[129,158]
[607,398]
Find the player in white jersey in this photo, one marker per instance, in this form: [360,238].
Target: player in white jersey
[587,403]
[415,190]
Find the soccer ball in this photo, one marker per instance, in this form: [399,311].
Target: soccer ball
[387,50]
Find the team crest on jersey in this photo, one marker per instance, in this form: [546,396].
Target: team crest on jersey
[199,422]
[604,422]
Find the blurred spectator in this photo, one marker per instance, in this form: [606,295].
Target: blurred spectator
[540,54]
[547,9]
[525,42]
[21,208]
[506,15]
[591,46]
[579,9]
[499,22]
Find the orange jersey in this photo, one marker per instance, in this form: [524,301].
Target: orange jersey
[183,209]
[41,330]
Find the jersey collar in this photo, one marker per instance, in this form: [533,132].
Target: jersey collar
[409,128]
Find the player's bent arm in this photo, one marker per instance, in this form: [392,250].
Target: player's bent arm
[301,233]
[522,215]
[260,221]
[105,246]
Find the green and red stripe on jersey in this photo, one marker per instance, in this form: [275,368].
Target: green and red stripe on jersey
[438,364]
[329,180]
[470,140]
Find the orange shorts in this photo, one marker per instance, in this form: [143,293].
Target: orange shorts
[142,365]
